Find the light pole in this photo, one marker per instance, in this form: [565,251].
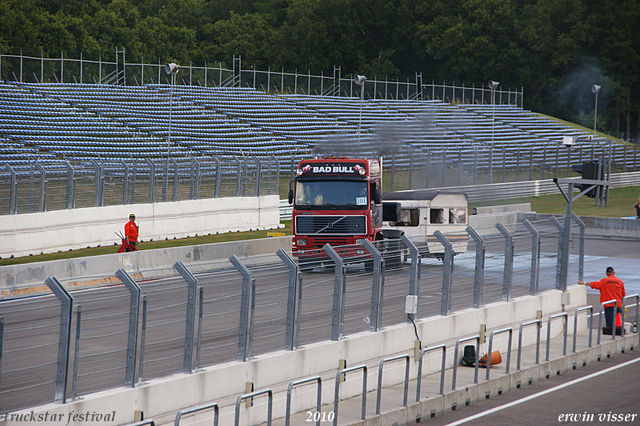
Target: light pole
[171,69]
[595,89]
[493,85]
[359,80]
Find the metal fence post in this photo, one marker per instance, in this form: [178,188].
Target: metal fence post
[581,253]
[406,380]
[132,189]
[318,380]
[176,179]
[258,175]
[538,327]
[560,228]
[99,176]
[125,182]
[510,330]
[508,262]
[490,178]
[244,333]
[134,314]
[426,179]
[294,273]
[216,193]
[277,162]
[478,280]
[13,191]
[535,257]
[194,189]
[31,185]
[76,353]
[152,180]
[336,399]
[564,315]
[191,315]
[69,186]
[66,312]
[375,285]
[338,306]
[42,207]
[445,302]
[1,342]
[442,368]
[239,179]
[414,281]
[165,179]
[455,360]
[143,338]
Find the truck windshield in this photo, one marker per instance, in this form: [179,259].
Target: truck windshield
[331,195]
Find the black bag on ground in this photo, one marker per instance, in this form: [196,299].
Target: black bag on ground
[469,356]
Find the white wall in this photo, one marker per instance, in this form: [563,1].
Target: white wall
[61,230]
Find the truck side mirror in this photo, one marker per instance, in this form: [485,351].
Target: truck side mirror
[290,192]
[377,195]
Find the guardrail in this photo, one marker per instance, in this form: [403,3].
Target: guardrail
[332,416]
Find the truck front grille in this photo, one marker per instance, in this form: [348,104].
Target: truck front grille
[321,225]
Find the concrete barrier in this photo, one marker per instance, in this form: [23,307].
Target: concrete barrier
[62,230]
[223,383]
[523,207]
[28,278]
[609,226]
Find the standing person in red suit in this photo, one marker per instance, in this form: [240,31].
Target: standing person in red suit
[610,288]
[131,233]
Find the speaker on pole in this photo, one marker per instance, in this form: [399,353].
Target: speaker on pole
[359,79]
[171,68]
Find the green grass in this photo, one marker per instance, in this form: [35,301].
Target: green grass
[621,202]
[149,245]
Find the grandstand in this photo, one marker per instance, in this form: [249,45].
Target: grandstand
[61,123]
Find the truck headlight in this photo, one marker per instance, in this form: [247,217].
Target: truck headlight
[301,242]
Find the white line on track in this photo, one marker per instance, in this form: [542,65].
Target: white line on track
[536,395]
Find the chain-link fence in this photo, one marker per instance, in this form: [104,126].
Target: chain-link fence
[242,307]
[45,186]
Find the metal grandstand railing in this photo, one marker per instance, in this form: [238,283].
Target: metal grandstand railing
[34,68]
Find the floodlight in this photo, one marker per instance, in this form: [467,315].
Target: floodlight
[171,68]
[359,79]
[493,84]
[595,88]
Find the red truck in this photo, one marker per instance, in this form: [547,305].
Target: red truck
[336,201]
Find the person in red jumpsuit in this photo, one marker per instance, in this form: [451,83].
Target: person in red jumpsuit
[131,233]
[610,288]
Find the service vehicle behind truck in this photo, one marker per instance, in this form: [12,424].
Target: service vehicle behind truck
[418,214]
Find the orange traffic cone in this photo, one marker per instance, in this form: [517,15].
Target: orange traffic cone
[619,320]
